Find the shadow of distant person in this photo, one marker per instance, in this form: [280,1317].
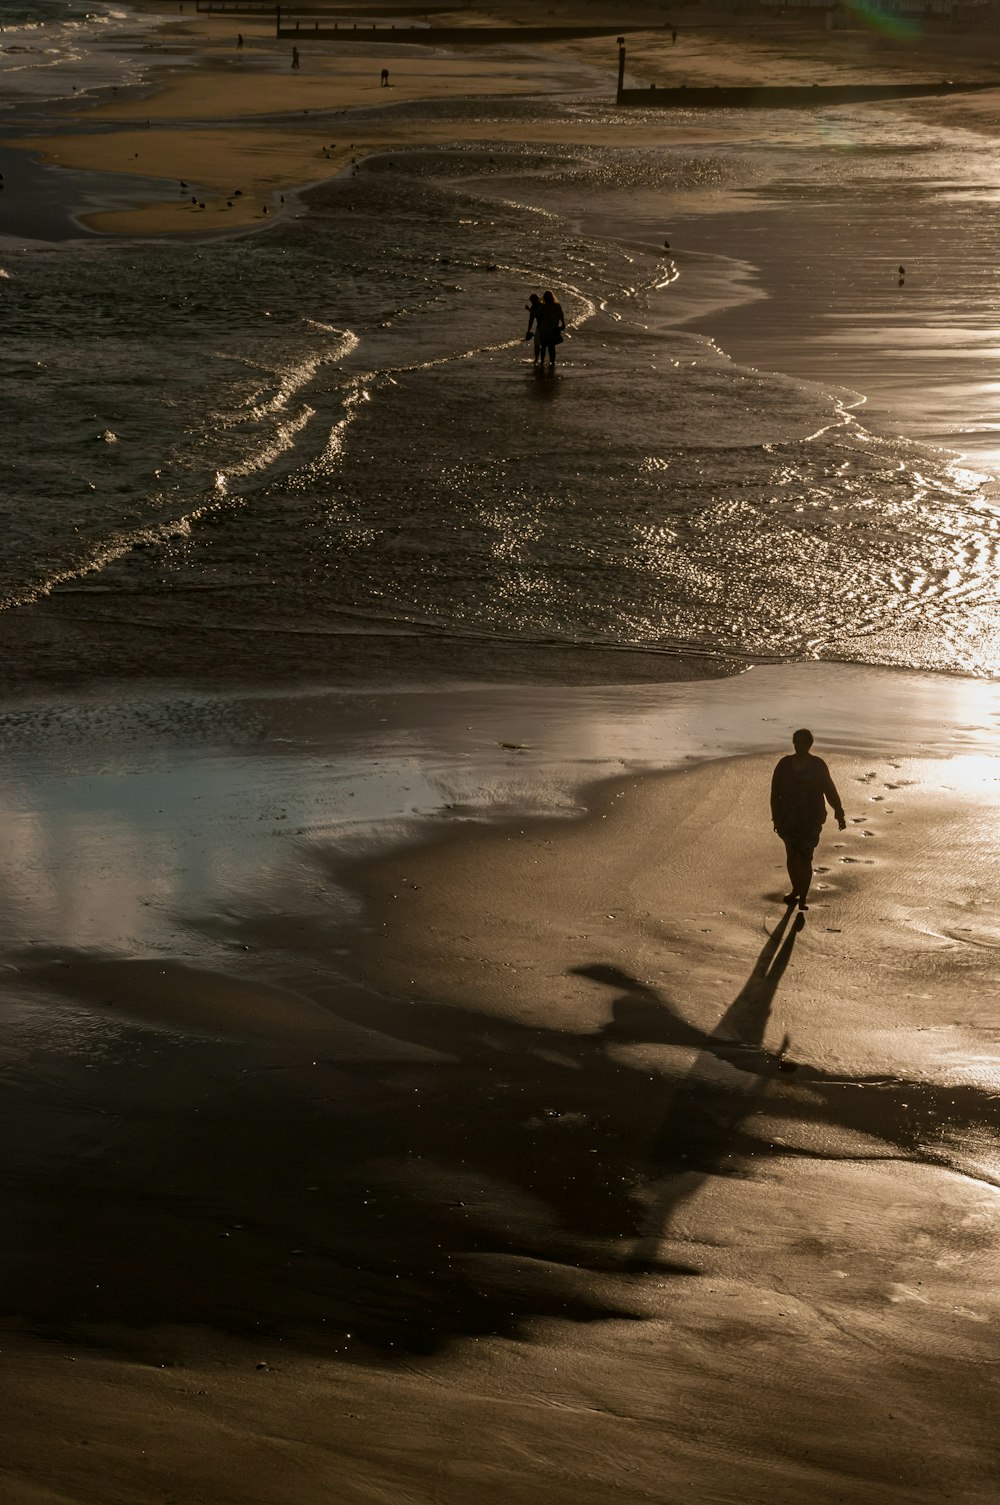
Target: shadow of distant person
[641,1013]
[695,1137]
[707,1129]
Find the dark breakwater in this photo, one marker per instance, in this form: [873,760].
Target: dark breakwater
[778,97]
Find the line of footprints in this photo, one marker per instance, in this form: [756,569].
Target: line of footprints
[870,782]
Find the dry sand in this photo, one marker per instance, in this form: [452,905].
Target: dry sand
[533,1159]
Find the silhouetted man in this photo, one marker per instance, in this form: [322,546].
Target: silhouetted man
[801,786]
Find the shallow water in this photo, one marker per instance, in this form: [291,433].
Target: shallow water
[53,49]
[334,427]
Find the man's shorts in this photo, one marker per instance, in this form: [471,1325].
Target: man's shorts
[801,839]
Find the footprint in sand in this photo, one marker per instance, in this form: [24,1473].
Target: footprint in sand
[868,861]
[977,935]
[877,797]
[858,820]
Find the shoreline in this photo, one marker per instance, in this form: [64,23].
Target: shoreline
[76,632]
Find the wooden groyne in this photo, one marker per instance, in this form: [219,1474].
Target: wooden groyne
[236,7]
[434,36]
[317,8]
[783,97]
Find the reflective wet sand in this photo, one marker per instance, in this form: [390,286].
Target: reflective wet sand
[384,1096]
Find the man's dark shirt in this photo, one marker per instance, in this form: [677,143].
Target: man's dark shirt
[799,791]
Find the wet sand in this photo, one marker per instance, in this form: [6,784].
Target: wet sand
[394,1110]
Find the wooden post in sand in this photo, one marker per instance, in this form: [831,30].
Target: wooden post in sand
[621,69]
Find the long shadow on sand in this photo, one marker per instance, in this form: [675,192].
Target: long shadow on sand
[380,1208]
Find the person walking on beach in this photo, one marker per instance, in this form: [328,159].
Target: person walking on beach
[533,306]
[295,57]
[801,786]
[384,79]
[239,41]
[550,322]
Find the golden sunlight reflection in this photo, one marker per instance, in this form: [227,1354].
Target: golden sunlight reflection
[977,775]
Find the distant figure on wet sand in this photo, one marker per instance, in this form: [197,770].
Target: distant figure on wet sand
[800,788]
[239,41]
[384,78]
[295,57]
[550,322]
[533,306]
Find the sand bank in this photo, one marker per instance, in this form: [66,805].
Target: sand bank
[200,122]
[538,1159]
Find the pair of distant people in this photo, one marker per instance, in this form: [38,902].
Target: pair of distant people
[546,322]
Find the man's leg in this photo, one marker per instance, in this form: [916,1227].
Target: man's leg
[799,873]
[805,878]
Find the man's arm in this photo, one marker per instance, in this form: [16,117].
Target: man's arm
[830,790]
[777,781]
